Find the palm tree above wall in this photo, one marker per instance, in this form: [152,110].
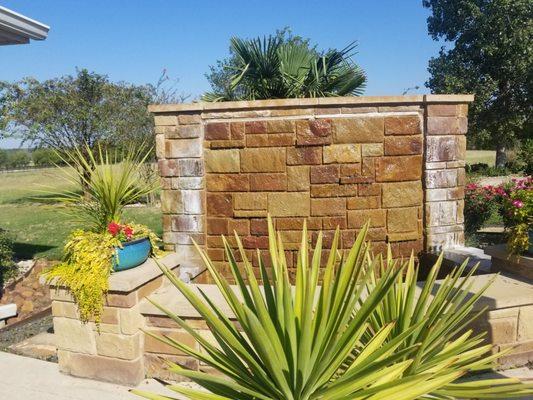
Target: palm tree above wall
[277,68]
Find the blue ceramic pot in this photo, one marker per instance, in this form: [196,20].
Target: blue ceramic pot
[132,254]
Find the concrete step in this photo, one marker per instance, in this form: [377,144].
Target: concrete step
[458,254]
[41,346]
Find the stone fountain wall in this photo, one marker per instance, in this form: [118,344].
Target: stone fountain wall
[396,161]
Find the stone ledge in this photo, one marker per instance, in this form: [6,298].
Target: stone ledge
[505,292]
[325,101]
[500,252]
[458,254]
[521,265]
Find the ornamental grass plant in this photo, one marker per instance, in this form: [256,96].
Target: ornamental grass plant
[109,182]
[358,329]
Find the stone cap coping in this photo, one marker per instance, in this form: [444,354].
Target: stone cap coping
[131,279]
[320,101]
[500,252]
[505,292]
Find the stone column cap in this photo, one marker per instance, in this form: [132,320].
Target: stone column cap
[131,279]
[311,102]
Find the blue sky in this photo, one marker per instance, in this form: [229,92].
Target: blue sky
[135,40]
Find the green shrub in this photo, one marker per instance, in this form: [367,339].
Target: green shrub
[361,335]
[483,169]
[3,159]
[18,159]
[45,157]
[7,266]
[517,210]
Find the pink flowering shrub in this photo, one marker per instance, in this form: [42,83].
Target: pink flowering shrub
[479,205]
[512,200]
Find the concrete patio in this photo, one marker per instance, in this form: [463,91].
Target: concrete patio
[23,378]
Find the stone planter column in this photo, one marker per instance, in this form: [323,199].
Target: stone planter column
[114,352]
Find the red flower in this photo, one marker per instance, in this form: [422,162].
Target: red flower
[128,231]
[113,228]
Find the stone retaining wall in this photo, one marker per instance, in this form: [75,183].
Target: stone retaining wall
[120,351]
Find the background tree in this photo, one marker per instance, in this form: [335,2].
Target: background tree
[18,159]
[491,56]
[3,158]
[44,157]
[82,112]
[283,66]
[72,111]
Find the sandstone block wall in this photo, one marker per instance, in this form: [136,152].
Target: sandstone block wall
[396,161]
[111,351]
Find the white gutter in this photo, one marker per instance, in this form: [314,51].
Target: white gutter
[15,28]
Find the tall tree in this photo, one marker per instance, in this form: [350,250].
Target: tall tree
[488,53]
[283,66]
[82,112]
[75,111]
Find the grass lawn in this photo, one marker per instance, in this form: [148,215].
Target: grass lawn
[40,227]
[481,156]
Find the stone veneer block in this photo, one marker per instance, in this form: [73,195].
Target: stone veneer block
[263,160]
[125,372]
[342,153]
[399,168]
[289,204]
[73,335]
[359,130]
[222,160]
[125,347]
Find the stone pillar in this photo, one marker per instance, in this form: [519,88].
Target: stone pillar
[179,149]
[112,351]
[446,127]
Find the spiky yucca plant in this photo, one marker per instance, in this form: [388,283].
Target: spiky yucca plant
[316,342]
[443,311]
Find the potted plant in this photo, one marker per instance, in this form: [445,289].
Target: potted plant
[106,244]
[135,246]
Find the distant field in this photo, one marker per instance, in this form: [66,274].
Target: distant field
[481,156]
[40,227]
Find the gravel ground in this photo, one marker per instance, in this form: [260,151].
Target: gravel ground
[19,332]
